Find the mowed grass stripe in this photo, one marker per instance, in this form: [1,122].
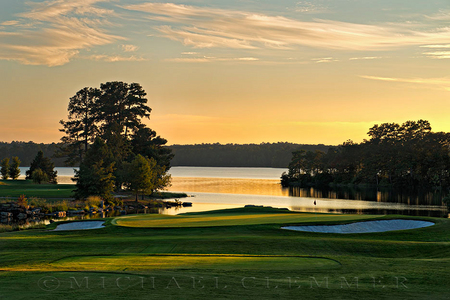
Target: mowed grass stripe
[231,219]
[193,262]
[15,188]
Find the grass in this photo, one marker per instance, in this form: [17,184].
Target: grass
[257,261]
[15,188]
[233,217]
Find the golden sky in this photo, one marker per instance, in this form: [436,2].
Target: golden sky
[230,71]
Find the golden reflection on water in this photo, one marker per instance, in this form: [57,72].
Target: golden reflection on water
[268,187]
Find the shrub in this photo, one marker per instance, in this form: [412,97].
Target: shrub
[22,201]
[39,176]
[93,201]
[6,228]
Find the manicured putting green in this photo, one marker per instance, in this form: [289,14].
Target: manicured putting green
[231,217]
[193,262]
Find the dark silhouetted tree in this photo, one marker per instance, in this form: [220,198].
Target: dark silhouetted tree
[81,128]
[38,176]
[45,164]
[5,168]
[14,171]
[95,176]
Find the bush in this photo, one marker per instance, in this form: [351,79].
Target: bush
[115,202]
[39,176]
[6,228]
[447,201]
[93,201]
[22,201]
[62,206]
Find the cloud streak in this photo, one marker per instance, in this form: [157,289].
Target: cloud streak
[114,58]
[207,59]
[441,83]
[62,29]
[129,48]
[204,27]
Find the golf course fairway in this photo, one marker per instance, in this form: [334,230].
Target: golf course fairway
[232,217]
[229,254]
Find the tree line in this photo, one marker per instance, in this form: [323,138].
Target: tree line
[26,151]
[275,155]
[398,155]
[41,169]
[10,168]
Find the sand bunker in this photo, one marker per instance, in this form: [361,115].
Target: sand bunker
[81,225]
[364,227]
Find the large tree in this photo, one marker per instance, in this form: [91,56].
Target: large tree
[5,168]
[113,113]
[45,164]
[121,107]
[95,176]
[141,175]
[146,142]
[81,128]
[14,171]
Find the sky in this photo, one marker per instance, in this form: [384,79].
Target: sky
[318,71]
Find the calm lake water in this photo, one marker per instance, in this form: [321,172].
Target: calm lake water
[217,188]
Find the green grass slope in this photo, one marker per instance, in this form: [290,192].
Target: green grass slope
[233,217]
[258,261]
[15,188]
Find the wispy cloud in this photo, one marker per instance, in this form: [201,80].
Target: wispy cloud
[62,29]
[442,15]
[436,46]
[309,7]
[438,54]
[9,23]
[204,27]
[442,83]
[114,58]
[324,60]
[129,48]
[207,59]
[365,58]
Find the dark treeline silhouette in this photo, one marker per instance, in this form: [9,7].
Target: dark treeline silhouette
[26,151]
[406,155]
[275,155]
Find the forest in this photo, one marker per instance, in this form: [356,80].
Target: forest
[275,155]
[396,155]
[26,152]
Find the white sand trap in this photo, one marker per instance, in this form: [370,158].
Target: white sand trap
[81,225]
[364,227]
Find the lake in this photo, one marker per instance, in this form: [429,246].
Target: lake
[224,187]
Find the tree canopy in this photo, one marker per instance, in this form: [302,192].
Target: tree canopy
[95,176]
[45,164]
[14,171]
[111,119]
[5,168]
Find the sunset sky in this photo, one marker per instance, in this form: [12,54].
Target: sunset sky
[230,71]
